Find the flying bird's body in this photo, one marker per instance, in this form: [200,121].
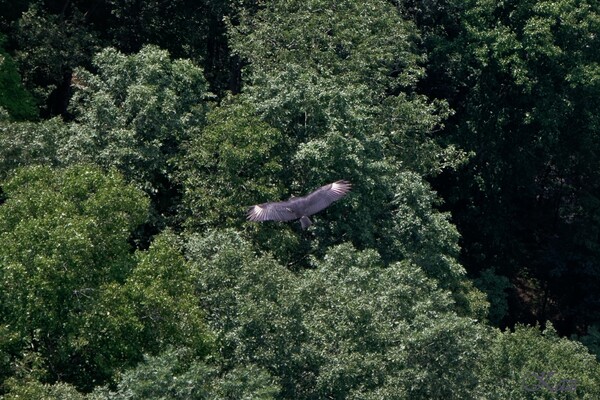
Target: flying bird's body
[300,207]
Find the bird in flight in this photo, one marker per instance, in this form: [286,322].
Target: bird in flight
[300,207]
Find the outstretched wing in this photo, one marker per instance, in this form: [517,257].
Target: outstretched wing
[276,211]
[321,198]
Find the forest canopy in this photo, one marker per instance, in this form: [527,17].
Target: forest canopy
[464,263]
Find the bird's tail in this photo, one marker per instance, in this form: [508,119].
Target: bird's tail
[305,221]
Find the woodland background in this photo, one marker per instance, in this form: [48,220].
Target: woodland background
[464,263]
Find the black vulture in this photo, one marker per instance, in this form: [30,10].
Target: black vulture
[300,207]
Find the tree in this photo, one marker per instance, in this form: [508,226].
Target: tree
[353,327]
[153,309]
[13,97]
[133,114]
[176,374]
[51,38]
[229,165]
[250,305]
[379,329]
[11,10]
[64,235]
[339,84]
[37,390]
[348,327]
[522,77]
[48,48]
[495,286]
[339,74]
[531,363]
[30,143]
[187,29]
[78,304]
[236,161]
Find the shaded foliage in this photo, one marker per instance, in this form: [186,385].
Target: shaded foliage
[523,80]
[51,38]
[13,97]
[49,47]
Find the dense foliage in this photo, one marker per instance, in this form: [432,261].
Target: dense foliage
[463,264]
[523,80]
